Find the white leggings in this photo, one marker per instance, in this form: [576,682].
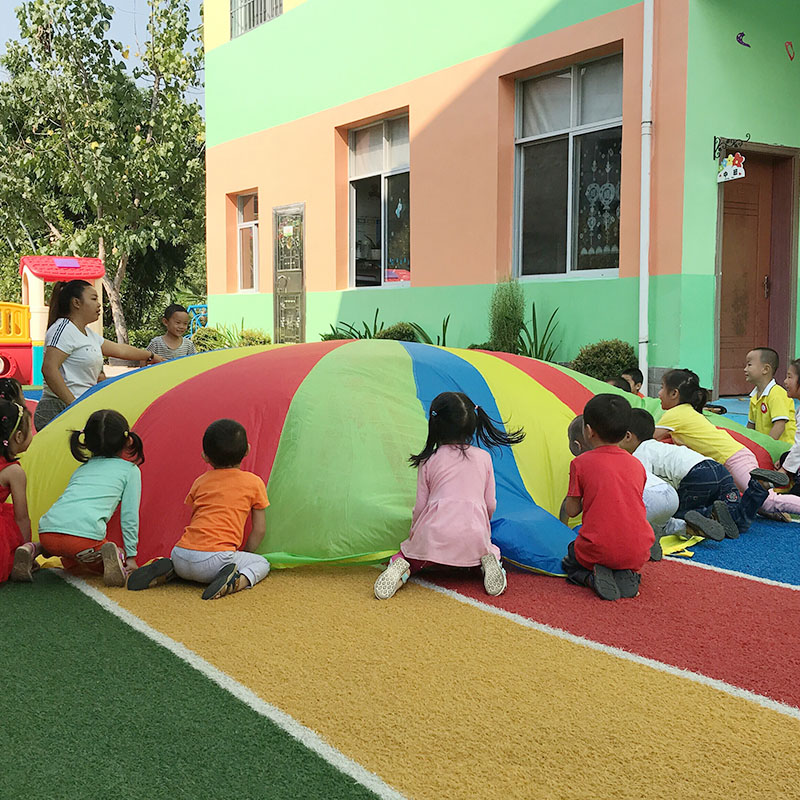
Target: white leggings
[197,565]
[740,464]
[661,502]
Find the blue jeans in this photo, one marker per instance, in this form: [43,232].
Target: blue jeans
[709,481]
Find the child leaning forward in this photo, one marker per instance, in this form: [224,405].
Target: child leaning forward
[222,500]
[606,484]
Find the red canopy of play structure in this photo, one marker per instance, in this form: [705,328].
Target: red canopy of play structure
[63,268]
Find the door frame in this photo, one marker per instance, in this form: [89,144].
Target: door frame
[792,153]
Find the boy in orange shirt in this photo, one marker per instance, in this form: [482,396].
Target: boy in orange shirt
[222,500]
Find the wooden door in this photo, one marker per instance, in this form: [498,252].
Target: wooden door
[745,271]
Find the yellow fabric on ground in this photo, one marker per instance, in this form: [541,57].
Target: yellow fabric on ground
[443,700]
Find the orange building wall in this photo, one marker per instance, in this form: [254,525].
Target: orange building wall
[461,123]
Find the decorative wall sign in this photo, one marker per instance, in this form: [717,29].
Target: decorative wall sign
[740,39]
[723,144]
[730,168]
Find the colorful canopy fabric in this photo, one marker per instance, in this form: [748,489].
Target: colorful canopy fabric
[331,426]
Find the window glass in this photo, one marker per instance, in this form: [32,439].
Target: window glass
[247,255]
[598,161]
[248,207]
[368,228]
[367,151]
[545,176]
[601,90]
[546,104]
[398,229]
[398,143]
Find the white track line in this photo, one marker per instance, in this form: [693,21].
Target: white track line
[733,572]
[301,733]
[735,691]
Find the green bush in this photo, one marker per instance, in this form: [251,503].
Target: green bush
[209,338]
[334,334]
[506,316]
[250,337]
[400,332]
[605,359]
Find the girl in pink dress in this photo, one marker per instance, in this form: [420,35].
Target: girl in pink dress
[16,432]
[455,497]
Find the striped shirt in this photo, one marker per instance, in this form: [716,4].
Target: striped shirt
[159,347]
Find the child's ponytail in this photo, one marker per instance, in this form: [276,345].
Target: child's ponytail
[106,435]
[13,417]
[688,387]
[489,435]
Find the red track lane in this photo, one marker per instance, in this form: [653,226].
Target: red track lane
[733,629]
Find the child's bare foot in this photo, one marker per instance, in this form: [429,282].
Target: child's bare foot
[226,581]
[494,576]
[392,578]
[153,574]
[23,563]
[114,572]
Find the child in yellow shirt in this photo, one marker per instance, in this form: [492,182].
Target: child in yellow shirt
[771,409]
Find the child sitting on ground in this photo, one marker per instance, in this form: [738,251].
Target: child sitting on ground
[660,502]
[16,432]
[771,410]
[173,343]
[75,526]
[222,500]
[703,485]
[450,524]
[606,484]
[683,399]
[635,379]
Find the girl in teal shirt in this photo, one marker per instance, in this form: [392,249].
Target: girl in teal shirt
[75,526]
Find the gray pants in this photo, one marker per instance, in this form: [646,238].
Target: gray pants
[47,410]
[201,566]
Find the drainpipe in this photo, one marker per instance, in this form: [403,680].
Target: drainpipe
[644,221]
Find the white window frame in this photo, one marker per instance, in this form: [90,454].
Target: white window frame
[246,15]
[571,133]
[240,226]
[384,174]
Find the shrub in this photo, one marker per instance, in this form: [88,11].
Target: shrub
[605,359]
[209,338]
[539,344]
[400,331]
[334,333]
[506,316]
[249,337]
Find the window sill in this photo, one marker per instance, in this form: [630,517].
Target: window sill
[392,285]
[576,275]
[247,291]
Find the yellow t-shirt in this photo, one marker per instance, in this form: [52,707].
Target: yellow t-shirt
[772,406]
[690,428]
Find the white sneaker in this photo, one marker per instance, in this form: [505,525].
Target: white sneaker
[114,572]
[494,576]
[392,578]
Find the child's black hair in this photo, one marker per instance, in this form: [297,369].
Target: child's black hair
[11,389]
[106,435]
[688,387]
[620,383]
[634,373]
[575,430]
[455,419]
[609,416]
[13,418]
[174,308]
[769,357]
[795,364]
[642,424]
[225,443]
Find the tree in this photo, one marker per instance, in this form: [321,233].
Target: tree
[98,157]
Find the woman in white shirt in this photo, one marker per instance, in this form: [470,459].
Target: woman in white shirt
[73,356]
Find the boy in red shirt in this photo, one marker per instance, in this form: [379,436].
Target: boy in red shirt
[606,484]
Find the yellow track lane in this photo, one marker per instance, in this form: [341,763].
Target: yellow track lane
[443,700]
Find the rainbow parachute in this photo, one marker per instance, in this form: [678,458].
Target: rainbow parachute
[331,426]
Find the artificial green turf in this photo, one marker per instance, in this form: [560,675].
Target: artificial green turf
[89,708]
